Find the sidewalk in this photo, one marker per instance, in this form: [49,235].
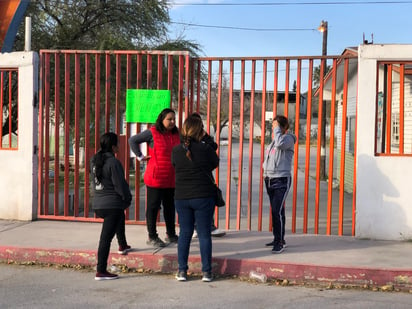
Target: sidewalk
[307,258]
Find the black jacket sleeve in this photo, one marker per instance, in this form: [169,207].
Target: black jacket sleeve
[120,184]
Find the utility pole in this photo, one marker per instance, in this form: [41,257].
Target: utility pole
[322,168]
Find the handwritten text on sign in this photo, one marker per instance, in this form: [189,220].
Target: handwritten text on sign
[144,105]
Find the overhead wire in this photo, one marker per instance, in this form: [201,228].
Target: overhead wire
[289,3]
[278,3]
[243,28]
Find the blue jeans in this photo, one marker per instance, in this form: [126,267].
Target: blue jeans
[278,189]
[198,210]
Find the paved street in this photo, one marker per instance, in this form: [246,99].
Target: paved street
[35,287]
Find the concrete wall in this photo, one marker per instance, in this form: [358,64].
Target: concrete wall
[383,185]
[18,168]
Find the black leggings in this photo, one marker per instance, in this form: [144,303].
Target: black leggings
[113,224]
[155,198]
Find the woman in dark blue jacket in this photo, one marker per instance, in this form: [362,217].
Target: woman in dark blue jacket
[111,197]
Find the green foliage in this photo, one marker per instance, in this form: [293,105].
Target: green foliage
[100,25]
[79,24]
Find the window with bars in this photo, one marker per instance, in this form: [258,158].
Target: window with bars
[393,132]
[9,109]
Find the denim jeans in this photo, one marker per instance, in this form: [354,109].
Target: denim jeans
[113,224]
[198,210]
[278,189]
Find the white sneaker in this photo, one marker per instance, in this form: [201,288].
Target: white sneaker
[218,233]
[194,234]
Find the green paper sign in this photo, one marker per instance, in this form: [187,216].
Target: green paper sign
[145,105]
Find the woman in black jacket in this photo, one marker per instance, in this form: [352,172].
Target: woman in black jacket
[195,195]
[111,197]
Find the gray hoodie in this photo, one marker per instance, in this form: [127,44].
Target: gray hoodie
[279,155]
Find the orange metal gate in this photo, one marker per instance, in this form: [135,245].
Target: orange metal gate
[82,95]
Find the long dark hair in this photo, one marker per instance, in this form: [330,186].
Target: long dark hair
[192,130]
[107,142]
[283,122]
[159,121]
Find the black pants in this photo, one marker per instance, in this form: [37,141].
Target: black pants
[113,224]
[278,189]
[155,198]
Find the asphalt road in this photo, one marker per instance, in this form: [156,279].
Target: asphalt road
[42,287]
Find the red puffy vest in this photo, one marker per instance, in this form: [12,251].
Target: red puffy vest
[160,172]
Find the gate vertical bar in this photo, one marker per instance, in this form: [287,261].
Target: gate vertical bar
[287,73]
[107,94]
[401,107]
[159,71]
[86,134]
[56,131]
[128,86]
[77,132]
[97,103]
[127,133]
[251,134]
[199,71]
[319,144]
[275,87]
[219,101]
[41,133]
[262,144]
[343,146]
[389,110]
[241,138]
[170,76]
[118,92]
[180,92]
[186,93]
[190,83]
[230,146]
[331,149]
[137,162]
[209,90]
[66,132]
[296,156]
[46,130]
[307,155]
[11,108]
[355,169]
[149,72]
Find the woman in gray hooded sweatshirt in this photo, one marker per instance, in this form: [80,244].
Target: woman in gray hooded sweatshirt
[278,178]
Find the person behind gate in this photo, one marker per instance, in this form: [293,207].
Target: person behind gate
[195,195]
[111,196]
[277,173]
[159,176]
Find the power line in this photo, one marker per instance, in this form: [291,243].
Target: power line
[243,28]
[290,3]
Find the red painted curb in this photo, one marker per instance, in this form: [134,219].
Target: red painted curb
[295,273]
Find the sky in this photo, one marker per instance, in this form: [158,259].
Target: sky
[288,28]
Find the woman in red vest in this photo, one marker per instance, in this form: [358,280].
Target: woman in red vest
[159,176]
